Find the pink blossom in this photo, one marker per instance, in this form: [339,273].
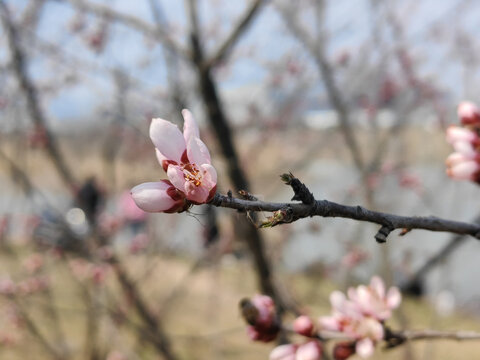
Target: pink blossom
[303,325]
[186,160]
[373,301]
[361,315]
[468,113]
[33,263]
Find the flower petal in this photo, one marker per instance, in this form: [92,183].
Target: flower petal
[153,197]
[196,194]
[309,351]
[463,171]
[176,176]
[378,286]
[394,298]
[209,176]
[190,128]
[364,348]
[283,352]
[197,152]
[168,139]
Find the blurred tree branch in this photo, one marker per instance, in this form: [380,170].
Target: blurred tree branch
[19,64]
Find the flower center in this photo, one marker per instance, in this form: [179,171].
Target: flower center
[192,174]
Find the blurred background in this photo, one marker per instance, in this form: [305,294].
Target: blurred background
[353,97]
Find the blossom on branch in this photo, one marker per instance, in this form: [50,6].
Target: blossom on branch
[185,158]
[464,162]
[361,315]
[259,313]
[311,350]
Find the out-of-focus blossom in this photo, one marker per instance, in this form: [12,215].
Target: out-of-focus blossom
[186,160]
[7,286]
[374,301]
[361,315]
[343,350]
[259,313]
[354,257]
[303,325]
[33,263]
[468,113]
[139,243]
[284,352]
[464,163]
[311,350]
[129,211]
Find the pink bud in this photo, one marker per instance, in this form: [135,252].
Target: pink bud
[343,351]
[468,113]
[303,325]
[159,196]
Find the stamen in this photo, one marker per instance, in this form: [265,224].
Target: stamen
[192,174]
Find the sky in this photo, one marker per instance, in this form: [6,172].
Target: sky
[347,23]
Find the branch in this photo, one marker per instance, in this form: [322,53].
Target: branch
[227,45]
[292,211]
[19,65]
[131,21]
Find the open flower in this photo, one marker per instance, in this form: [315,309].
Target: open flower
[361,315]
[186,160]
[374,301]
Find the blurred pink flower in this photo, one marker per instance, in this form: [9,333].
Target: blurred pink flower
[373,301]
[259,312]
[361,315]
[311,350]
[33,263]
[186,160]
[464,163]
[468,113]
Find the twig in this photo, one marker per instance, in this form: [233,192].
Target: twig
[289,212]
[19,65]
[224,49]
[132,22]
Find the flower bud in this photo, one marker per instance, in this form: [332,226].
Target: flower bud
[468,113]
[343,350]
[303,325]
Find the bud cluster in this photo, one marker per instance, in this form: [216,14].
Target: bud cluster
[464,162]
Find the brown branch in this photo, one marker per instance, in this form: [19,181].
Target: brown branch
[157,335]
[19,65]
[225,48]
[316,48]
[289,212]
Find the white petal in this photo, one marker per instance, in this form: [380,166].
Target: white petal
[152,196]
[364,348]
[168,139]
[197,152]
[190,128]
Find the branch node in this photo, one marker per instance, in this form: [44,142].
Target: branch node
[247,196]
[300,189]
[382,234]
